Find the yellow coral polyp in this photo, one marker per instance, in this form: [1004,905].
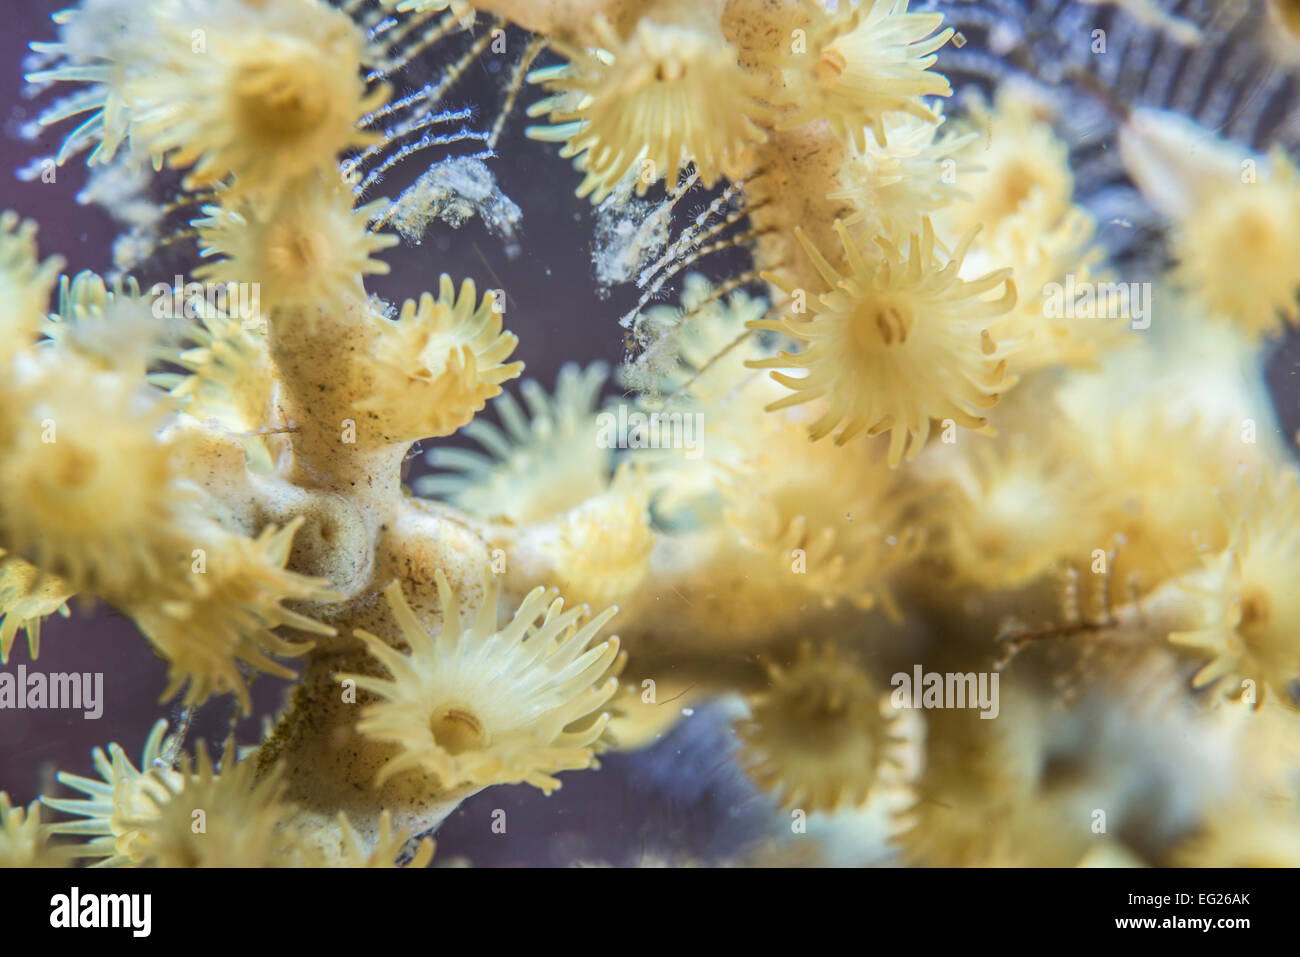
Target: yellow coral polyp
[896,343]
[822,734]
[1131,458]
[831,520]
[441,360]
[480,705]
[112,326]
[219,607]
[311,250]
[919,172]
[541,463]
[1044,247]
[1015,512]
[243,815]
[274,95]
[232,383]
[1016,159]
[699,349]
[105,96]
[109,801]
[1253,608]
[649,105]
[602,549]
[88,488]
[854,67]
[1238,249]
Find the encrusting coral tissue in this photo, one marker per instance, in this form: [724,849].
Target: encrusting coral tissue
[954,495]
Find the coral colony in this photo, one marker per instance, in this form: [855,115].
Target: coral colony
[941,451]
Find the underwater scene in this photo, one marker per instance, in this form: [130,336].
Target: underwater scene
[677,433]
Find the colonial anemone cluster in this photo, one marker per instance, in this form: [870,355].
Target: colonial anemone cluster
[934,422]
